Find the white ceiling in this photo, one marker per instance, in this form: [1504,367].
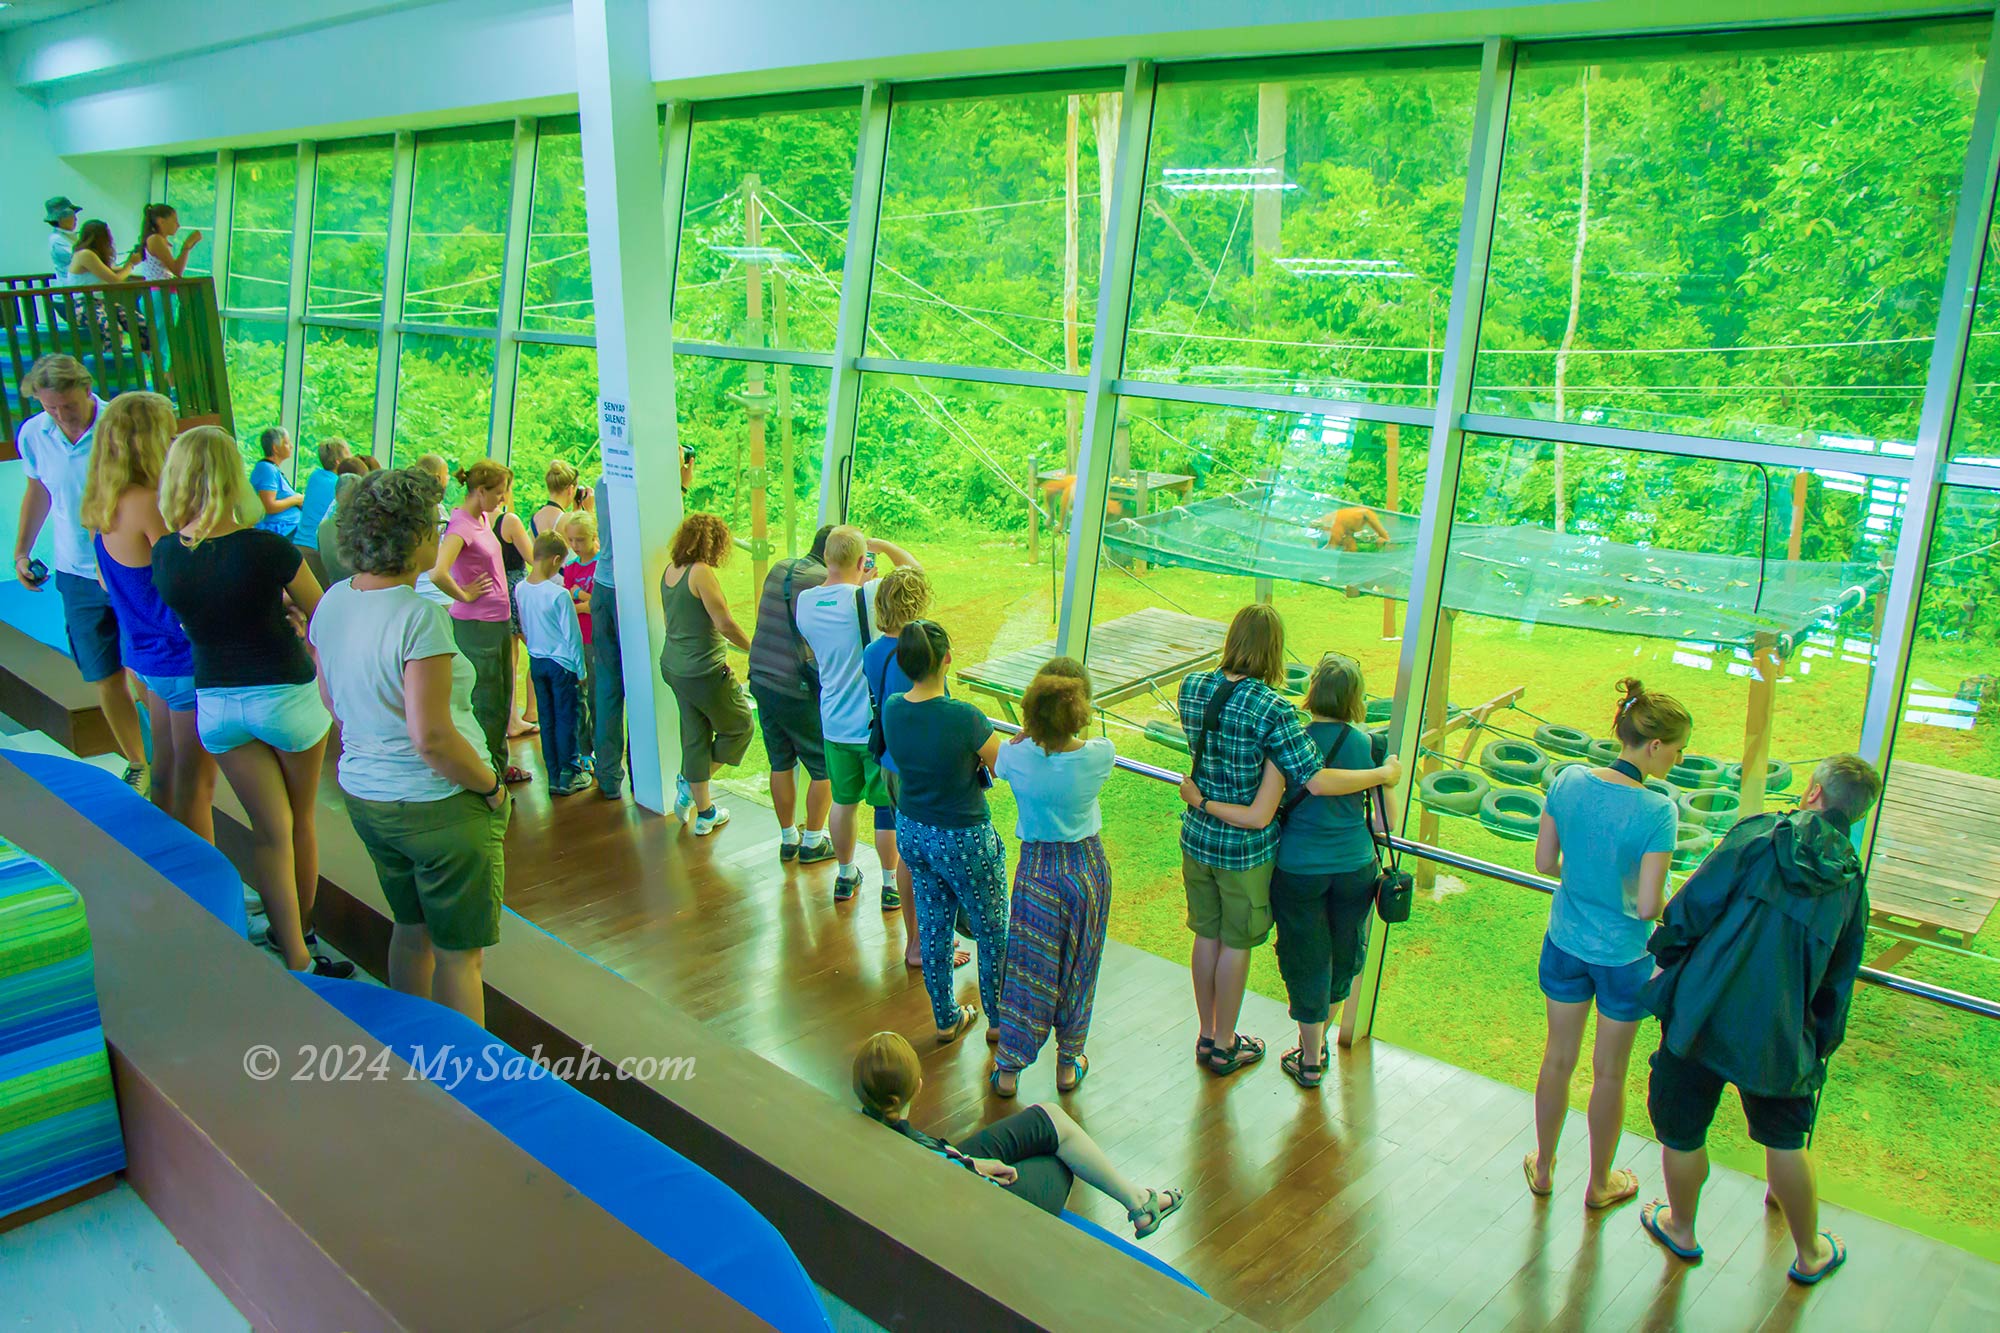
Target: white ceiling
[22,13]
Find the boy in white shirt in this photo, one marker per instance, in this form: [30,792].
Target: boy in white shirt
[555,661]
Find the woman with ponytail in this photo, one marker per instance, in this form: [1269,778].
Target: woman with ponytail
[1610,839]
[945,749]
[1062,884]
[472,572]
[157,260]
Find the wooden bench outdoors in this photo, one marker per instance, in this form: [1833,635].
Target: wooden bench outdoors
[1934,876]
[1143,653]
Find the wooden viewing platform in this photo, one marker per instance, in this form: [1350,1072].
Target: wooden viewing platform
[1146,651]
[1935,872]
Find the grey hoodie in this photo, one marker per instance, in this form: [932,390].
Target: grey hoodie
[1759,952]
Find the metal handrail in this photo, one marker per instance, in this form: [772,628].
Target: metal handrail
[1902,985]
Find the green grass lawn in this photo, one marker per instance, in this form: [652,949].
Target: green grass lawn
[1909,1127]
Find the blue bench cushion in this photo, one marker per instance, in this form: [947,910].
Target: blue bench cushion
[1125,1243]
[680,1208]
[39,615]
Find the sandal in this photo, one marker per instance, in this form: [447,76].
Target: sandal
[1160,1204]
[993,1081]
[1246,1051]
[1202,1050]
[1082,1067]
[1305,1075]
[515,773]
[966,1013]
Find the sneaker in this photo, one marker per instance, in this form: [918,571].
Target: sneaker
[683,799]
[892,898]
[611,791]
[135,777]
[845,887]
[569,786]
[788,851]
[814,850]
[338,968]
[714,818]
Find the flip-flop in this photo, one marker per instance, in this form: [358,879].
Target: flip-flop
[1156,1210]
[1839,1258]
[1648,1218]
[1615,1199]
[1082,1068]
[1528,1170]
[966,1013]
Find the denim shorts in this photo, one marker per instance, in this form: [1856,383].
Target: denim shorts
[178,691]
[290,718]
[1619,991]
[92,626]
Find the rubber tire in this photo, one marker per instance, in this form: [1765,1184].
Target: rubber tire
[1777,776]
[1664,788]
[1714,808]
[1691,844]
[1520,762]
[1696,771]
[1514,823]
[1297,676]
[1380,710]
[1560,740]
[1167,734]
[1602,752]
[1463,801]
[1557,765]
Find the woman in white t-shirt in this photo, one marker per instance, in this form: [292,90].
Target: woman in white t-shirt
[413,766]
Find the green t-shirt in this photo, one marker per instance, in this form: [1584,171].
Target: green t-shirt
[936,745]
[1326,835]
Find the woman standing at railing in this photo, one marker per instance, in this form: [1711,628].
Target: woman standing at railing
[471,572]
[157,260]
[1610,839]
[94,262]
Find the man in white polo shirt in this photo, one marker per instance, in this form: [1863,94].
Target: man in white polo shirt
[55,449]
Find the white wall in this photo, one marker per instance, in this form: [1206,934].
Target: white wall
[111,188]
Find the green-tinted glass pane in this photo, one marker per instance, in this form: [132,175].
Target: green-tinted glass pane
[1762,247]
[444,399]
[260,231]
[350,230]
[1300,234]
[976,263]
[254,353]
[558,296]
[555,416]
[458,230]
[764,229]
[191,190]
[337,397]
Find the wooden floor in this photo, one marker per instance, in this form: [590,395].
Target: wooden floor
[1391,1199]
[1936,865]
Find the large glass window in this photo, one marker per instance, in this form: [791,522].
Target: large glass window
[444,399]
[555,415]
[350,229]
[992,226]
[1714,237]
[260,231]
[254,352]
[1299,231]
[337,397]
[191,190]
[458,227]
[764,227]
[558,296]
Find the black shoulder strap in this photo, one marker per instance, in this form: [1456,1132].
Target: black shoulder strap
[1211,720]
[861,613]
[1300,792]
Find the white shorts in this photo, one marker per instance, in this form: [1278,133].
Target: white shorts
[285,717]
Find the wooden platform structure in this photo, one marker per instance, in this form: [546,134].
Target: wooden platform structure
[1934,876]
[39,688]
[1145,652]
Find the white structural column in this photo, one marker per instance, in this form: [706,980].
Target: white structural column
[218,244]
[389,346]
[1461,344]
[513,285]
[295,298]
[1107,358]
[850,336]
[630,264]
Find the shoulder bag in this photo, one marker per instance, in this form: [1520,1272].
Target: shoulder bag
[1394,887]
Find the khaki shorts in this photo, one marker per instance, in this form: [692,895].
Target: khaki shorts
[440,864]
[1233,906]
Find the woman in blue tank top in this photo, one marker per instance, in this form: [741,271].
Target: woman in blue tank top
[121,506]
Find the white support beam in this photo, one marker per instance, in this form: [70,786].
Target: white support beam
[850,336]
[513,287]
[295,295]
[630,252]
[389,344]
[218,246]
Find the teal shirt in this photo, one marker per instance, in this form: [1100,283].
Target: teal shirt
[1326,835]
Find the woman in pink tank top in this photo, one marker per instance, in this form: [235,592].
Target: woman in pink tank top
[470,571]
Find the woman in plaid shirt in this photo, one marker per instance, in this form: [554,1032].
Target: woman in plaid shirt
[1255,737]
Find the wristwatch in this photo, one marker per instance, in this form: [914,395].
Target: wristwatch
[1203,807]
[499,781]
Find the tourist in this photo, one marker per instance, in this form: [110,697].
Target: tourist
[565,497]
[607,688]
[1323,881]
[470,571]
[281,501]
[1062,883]
[1235,721]
[158,261]
[60,214]
[715,721]
[317,501]
[1610,839]
[121,504]
[1758,954]
[836,621]
[579,576]
[331,557]
[55,446]
[516,550]
[439,471]
[414,774]
[1034,1154]
[784,681]
[94,262]
[555,662]
[905,596]
[257,705]
[944,749]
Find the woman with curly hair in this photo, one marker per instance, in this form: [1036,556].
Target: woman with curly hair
[414,769]
[121,505]
[715,721]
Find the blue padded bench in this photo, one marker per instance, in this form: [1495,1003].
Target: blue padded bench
[38,615]
[669,1201]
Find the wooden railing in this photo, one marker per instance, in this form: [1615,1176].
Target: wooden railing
[165,337]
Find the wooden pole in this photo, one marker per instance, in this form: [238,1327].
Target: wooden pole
[1435,712]
[1266,217]
[1764,669]
[1795,544]
[788,498]
[1391,497]
[754,398]
[1072,407]
[1034,514]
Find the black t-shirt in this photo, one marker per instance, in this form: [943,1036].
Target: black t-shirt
[936,744]
[229,593]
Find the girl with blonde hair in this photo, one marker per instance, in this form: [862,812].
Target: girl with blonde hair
[244,596]
[121,505]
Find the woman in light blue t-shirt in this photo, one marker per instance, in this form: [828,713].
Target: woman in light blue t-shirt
[1610,839]
[280,499]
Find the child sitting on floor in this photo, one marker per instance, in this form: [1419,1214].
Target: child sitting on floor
[555,662]
[1032,1154]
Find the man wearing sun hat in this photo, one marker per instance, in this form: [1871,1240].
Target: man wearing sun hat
[60,213]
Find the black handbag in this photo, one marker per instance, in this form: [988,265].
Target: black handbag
[1395,889]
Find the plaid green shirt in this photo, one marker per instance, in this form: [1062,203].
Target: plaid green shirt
[1257,724]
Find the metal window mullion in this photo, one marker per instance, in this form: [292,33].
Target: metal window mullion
[225,210]
[1956,311]
[1024,379]
[156,185]
[513,287]
[1447,451]
[1787,457]
[389,342]
[1107,360]
[770,356]
[293,388]
[1972,476]
[864,216]
[1256,401]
